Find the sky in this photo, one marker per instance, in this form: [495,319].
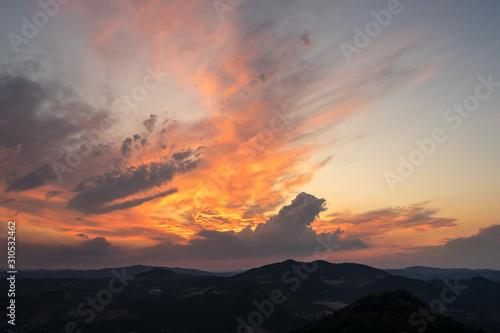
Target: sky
[230,134]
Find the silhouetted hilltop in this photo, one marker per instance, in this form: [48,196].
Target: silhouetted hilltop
[390,311]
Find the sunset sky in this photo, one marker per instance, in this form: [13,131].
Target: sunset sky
[230,134]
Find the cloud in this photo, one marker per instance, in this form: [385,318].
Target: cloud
[150,123]
[305,37]
[135,202]
[286,234]
[97,245]
[6,152]
[38,177]
[6,201]
[481,250]
[259,98]
[485,242]
[419,217]
[27,117]
[129,143]
[89,253]
[42,119]
[93,193]
[126,146]
[52,194]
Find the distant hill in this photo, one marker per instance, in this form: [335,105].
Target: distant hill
[386,312]
[106,272]
[427,273]
[323,269]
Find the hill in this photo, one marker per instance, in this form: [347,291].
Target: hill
[106,272]
[427,273]
[390,311]
[277,298]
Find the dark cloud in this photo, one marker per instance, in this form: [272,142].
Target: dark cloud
[20,211]
[128,143]
[25,121]
[7,201]
[135,202]
[150,123]
[42,119]
[87,253]
[97,245]
[52,194]
[182,155]
[305,37]
[38,177]
[126,146]
[486,241]
[97,191]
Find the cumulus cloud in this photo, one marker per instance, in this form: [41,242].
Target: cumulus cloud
[286,234]
[94,193]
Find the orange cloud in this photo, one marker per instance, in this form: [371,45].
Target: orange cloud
[264,107]
[417,217]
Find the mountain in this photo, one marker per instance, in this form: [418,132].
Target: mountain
[427,273]
[390,311]
[276,298]
[106,272]
[320,268]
